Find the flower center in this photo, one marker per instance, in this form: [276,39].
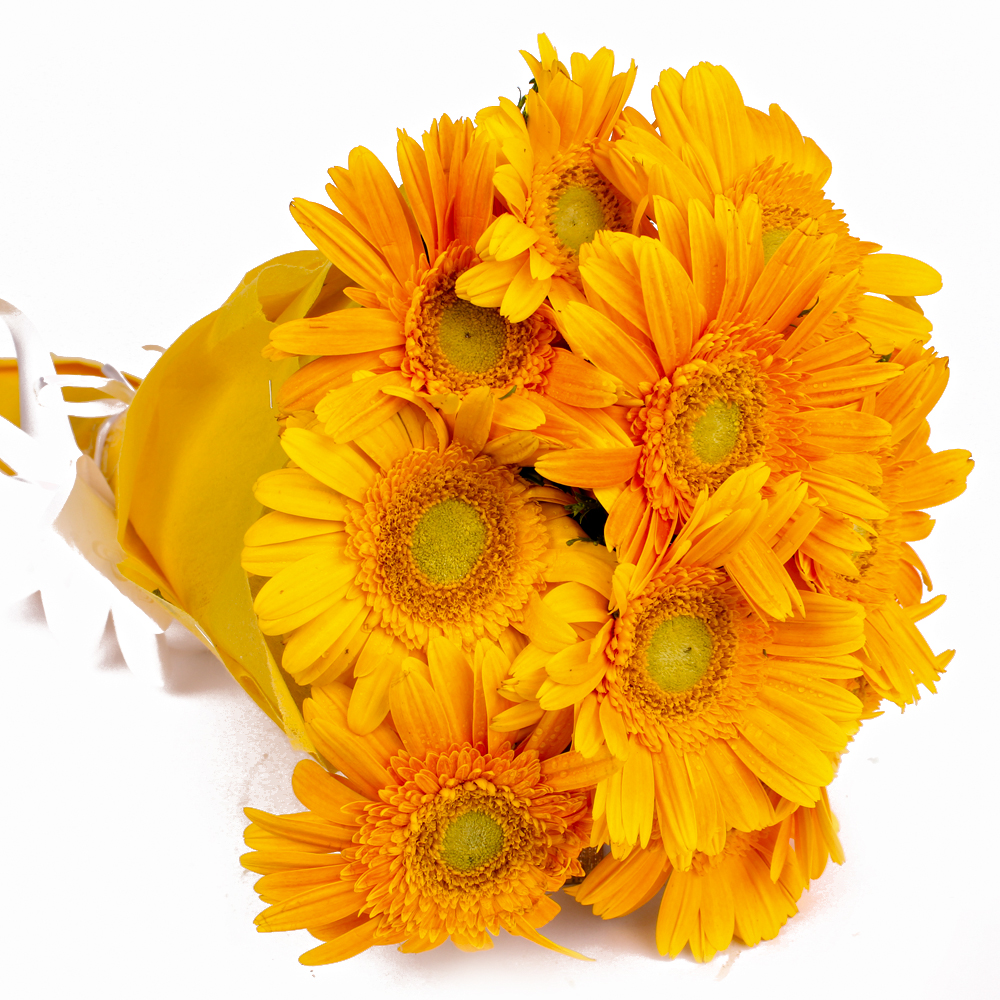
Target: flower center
[471,338]
[463,842]
[676,651]
[570,203]
[577,216]
[679,653]
[463,838]
[699,427]
[716,431]
[471,840]
[448,541]
[454,346]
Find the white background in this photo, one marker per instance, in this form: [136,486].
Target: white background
[147,156]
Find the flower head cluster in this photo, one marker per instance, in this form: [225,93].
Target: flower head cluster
[567,315]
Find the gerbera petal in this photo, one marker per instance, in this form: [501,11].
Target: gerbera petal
[708,259]
[418,713]
[354,410]
[386,215]
[524,294]
[266,862]
[342,244]
[612,728]
[545,627]
[452,677]
[281,527]
[571,380]
[590,467]
[509,238]
[304,828]
[320,637]
[788,786]
[362,758]
[303,584]
[339,466]
[485,284]
[677,922]
[675,805]
[267,560]
[616,888]
[587,565]
[320,903]
[375,671]
[473,420]
[347,331]
[826,734]
[674,313]
[779,741]
[599,339]
[573,665]
[846,496]
[323,793]
[294,491]
[570,770]
[281,886]
[887,325]
[522,928]
[312,382]
[742,797]
[844,430]
[352,942]
[638,795]
[551,735]
[893,274]
[763,579]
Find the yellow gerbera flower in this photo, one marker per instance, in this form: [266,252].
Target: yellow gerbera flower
[406,249]
[437,828]
[747,890]
[415,530]
[886,576]
[705,142]
[708,351]
[556,197]
[707,705]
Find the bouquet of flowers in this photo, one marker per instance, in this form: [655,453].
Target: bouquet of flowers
[560,507]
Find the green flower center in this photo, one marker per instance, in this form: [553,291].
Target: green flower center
[679,653]
[448,540]
[471,840]
[578,215]
[716,431]
[471,338]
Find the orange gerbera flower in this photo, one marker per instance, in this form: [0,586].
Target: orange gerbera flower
[884,574]
[747,890]
[556,197]
[417,529]
[705,142]
[406,252]
[437,829]
[707,705]
[707,349]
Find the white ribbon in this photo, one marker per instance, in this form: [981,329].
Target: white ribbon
[62,508]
